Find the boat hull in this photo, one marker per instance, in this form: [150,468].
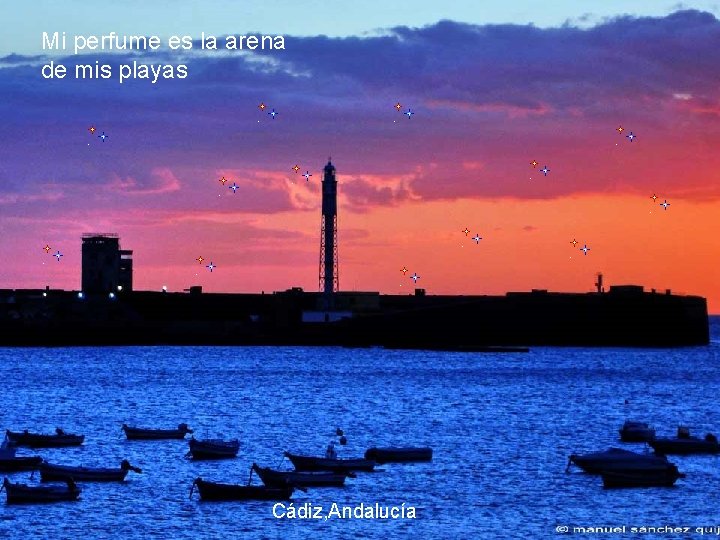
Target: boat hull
[398,455]
[213,491]
[214,450]
[37,440]
[636,436]
[23,494]
[141,434]
[50,473]
[15,464]
[276,479]
[684,446]
[309,463]
[634,431]
[618,460]
[613,479]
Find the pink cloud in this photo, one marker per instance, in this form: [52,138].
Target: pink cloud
[160,180]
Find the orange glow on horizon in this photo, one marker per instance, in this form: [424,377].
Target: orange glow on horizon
[525,245]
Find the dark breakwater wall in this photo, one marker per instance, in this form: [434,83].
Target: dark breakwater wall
[626,316]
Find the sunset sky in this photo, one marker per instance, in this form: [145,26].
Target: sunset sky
[491,90]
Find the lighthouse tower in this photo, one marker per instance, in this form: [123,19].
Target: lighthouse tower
[329,282]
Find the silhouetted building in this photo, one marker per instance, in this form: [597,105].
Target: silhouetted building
[329,280]
[105,267]
[599,283]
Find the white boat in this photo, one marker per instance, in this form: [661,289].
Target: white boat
[617,459]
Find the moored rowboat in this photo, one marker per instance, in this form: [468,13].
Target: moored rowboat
[399,455]
[213,491]
[273,478]
[685,444]
[213,448]
[22,463]
[49,472]
[39,440]
[309,463]
[22,493]
[9,462]
[136,434]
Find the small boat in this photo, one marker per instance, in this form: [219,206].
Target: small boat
[9,462]
[213,448]
[49,472]
[617,459]
[684,443]
[22,463]
[398,455]
[213,491]
[632,431]
[309,463]
[136,434]
[272,478]
[653,478]
[38,440]
[22,493]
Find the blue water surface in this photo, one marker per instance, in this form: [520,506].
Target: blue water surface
[501,425]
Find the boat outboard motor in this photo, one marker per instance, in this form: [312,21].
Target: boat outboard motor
[125,466]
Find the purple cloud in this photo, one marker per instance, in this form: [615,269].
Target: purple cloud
[487,99]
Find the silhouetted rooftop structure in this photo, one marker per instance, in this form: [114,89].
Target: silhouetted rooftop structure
[105,267]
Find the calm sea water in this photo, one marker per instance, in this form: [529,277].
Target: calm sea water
[502,427]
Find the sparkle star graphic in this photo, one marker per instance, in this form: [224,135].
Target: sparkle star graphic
[103,136]
[200,259]
[534,163]
[234,187]
[223,180]
[466,231]
[91,129]
[262,106]
[477,238]
[211,266]
[415,277]
[307,175]
[47,248]
[631,136]
[654,197]
[585,249]
[409,113]
[296,168]
[574,242]
[273,113]
[404,270]
[398,106]
[545,170]
[58,255]
[665,204]
[620,129]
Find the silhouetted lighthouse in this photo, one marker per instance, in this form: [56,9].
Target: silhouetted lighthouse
[329,282]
